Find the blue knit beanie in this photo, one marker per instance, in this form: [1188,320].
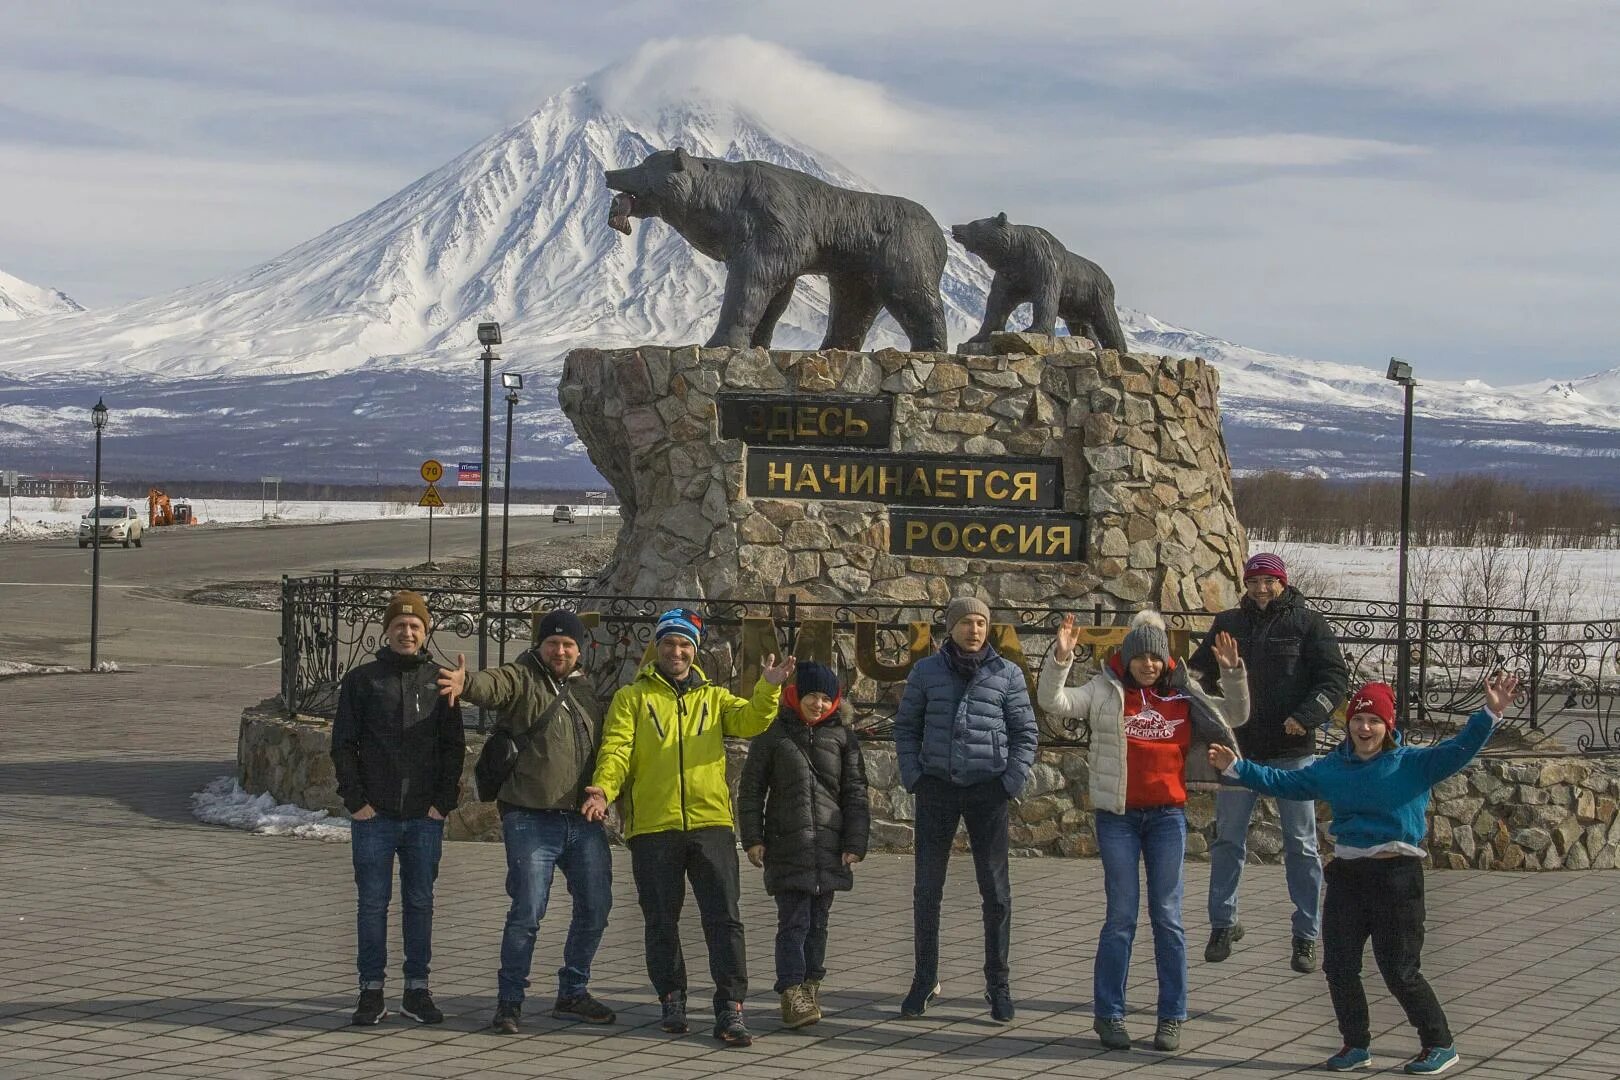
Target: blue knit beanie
[682,621]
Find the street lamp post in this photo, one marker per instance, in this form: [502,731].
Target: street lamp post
[1400,372]
[513,382]
[98,417]
[489,336]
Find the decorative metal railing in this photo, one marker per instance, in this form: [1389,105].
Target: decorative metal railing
[1567,704]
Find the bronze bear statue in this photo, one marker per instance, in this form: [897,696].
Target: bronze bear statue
[770,225]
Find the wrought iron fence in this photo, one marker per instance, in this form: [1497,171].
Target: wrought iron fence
[1567,703]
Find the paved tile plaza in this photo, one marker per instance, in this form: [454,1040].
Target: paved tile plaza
[136,942]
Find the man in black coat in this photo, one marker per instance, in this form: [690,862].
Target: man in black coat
[397,748]
[802,811]
[1297,677]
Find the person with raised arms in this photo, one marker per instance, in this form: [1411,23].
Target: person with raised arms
[1150,724]
[1378,789]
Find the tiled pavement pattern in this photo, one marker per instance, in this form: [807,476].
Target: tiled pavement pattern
[135,942]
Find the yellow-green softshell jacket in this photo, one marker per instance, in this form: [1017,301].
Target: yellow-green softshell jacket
[665,753]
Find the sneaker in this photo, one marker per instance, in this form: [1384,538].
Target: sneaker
[507,1014]
[798,1007]
[1001,1004]
[418,1005]
[370,1009]
[1167,1036]
[674,1018]
[729,1027]
[582,1007]
[1111,1031]
[917,1001]
[1304,958]
[813,988]
[1349,1057]
[1433,1059]
[1221,939]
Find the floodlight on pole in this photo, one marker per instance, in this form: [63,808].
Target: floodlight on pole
[1400,373]
[98,418]
[489,336]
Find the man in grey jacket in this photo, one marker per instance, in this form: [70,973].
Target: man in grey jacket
[965,737]
[544,693]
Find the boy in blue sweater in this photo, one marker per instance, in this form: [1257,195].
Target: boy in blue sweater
[1379,792]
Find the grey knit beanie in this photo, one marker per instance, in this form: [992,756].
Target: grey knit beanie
[1147,635]
[961,608]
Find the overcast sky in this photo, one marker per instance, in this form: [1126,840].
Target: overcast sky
[1340,181]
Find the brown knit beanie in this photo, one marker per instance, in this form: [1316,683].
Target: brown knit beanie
[406,602]
[961,608]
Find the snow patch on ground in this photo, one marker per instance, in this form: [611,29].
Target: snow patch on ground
[223,802]
[9,668]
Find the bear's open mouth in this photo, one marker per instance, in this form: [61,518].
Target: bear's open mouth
[624,204]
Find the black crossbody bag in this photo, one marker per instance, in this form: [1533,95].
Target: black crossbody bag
[502,749]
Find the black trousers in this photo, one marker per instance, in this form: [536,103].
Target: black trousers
[662,863]
[801,937]
[940,805]
[1381,899]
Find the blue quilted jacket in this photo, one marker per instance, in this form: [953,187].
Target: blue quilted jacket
[966,732]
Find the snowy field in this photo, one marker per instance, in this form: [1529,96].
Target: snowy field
[1560,583]
[33,518]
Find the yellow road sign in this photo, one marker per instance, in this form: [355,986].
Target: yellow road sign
[431,471]
[431,496]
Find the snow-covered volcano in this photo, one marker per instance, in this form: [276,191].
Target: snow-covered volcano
[317,360]
[513,230]
[21,300]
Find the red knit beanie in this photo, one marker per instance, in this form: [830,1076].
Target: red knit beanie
[1376,698]
[1268,564]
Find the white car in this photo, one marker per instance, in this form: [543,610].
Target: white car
[119,525]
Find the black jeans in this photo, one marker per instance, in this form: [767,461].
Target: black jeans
[661,864]
[940,804]
[1381,899]
[801,937]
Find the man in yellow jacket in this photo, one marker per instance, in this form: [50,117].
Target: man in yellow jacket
[663,755]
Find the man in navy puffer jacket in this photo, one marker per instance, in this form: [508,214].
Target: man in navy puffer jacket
[965,735]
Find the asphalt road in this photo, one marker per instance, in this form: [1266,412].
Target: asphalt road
[45,586]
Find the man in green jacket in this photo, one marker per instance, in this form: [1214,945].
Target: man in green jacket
[664,755]
[544,693]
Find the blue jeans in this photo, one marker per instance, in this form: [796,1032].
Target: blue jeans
[1301,864]
[1157,839]
[537,842]
[417,842]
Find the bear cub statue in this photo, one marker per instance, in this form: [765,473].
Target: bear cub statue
[1033,267]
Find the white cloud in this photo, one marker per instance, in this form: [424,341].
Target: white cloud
[785,90]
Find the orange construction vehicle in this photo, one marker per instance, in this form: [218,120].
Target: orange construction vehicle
[160,511]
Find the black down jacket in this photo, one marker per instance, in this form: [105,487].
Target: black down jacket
[396,744]
[1296,669]
[803,795]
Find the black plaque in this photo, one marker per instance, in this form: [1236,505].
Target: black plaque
[931,480]
[762,420]
[972,534]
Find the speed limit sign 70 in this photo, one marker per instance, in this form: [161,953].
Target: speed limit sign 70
[432,471]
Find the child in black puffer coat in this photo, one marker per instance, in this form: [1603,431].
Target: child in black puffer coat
[802,813]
